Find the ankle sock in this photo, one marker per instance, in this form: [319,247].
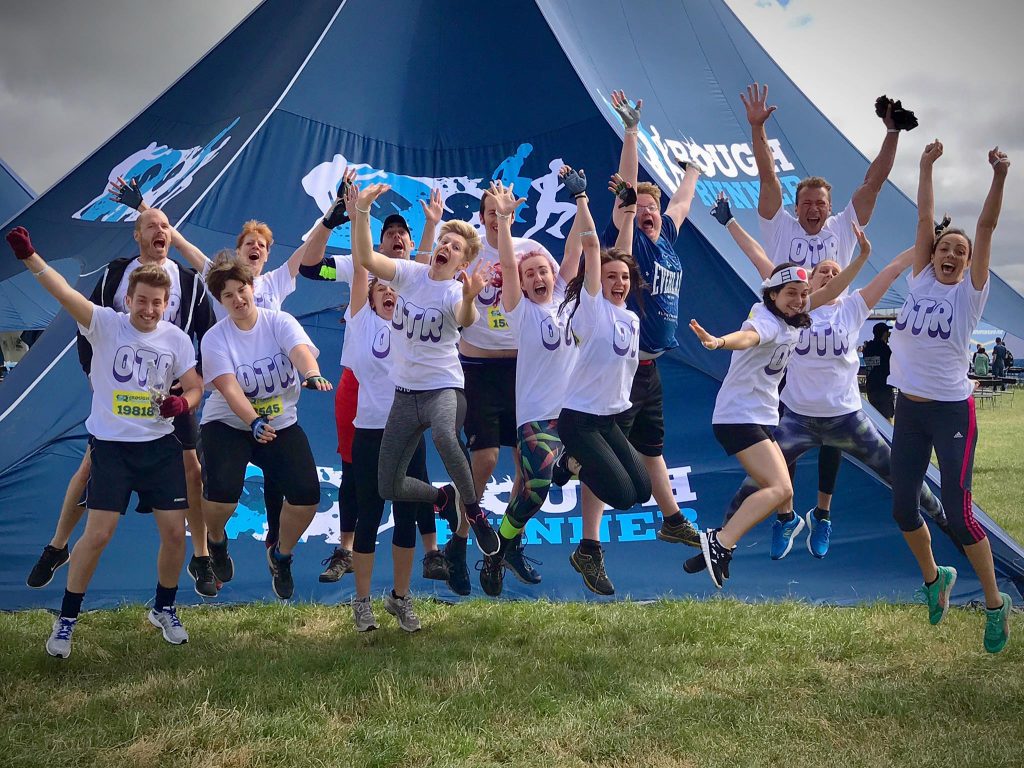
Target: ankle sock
[590,546]
[676,519]
[786,517]
[164,596]
[820,514]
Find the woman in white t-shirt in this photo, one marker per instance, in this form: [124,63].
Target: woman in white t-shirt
[935,409]
[747,406]
[432,307]
[532,290]
[253,359]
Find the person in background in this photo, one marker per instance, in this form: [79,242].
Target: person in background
[876,361]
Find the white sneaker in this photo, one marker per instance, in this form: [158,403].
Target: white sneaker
[362,614]
[167,622]
[59,642]
[401,609]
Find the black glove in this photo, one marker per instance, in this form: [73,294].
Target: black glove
[575,182]
[903,119]
[684,164]
[129,194]
[337,215]
[721,210]
[942,225]
[312,382]
[626,195]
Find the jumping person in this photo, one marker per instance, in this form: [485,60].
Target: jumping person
[187,307]
[533,287]
[253,360]
[132,438]
[396,243]
[934,410]
[607,332]
[747,406]
[428,379]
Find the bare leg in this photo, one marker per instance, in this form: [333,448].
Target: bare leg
[99,529]
[70,511]
[980,555]
[764,463]
[194,513]
[661,485]
[348,539]
[429,541]
[294,522]
[171,556]
[362,564]
[217,514]
[593,511]
[402,558]
[920,543]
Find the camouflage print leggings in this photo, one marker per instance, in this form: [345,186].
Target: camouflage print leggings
[539,444]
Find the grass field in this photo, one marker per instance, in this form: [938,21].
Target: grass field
[717,683]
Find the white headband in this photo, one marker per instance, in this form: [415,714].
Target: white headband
[783,276]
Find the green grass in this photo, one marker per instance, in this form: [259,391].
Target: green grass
[717,683]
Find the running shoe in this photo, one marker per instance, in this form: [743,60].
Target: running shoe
[200,568]
[683,533]
[448,510]
[818,535]
[591,568]
[783,535]
[997,625]
[338,564]
[936,594]
[716,556]
[487,540]
[59,642]
[521,565]
[458,571]
[166,620]
[47,565]
[401,609]
[281,574]
[223,565]
[435,567]
[696,564]
[362,615]
[492,574]
[564,469]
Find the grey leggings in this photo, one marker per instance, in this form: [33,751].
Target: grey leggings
[413,412]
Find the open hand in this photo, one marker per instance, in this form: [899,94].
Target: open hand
[574,181]
[755,101]
[368,195]
[318,383]
[505,201]
[709,341]
[126,193]
[474,282]
[721,210]
[433,210]
[630,113]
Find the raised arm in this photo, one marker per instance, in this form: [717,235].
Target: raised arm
[989,218]
[432,213]
[311,252]
[359,291]
[629,160]
[472,283]
[842,281]
[53,281]
[769,199]
[583,221]
[678,207]
[873,292]
[625,204]
[362,238]
[505,209]
[926,208]
[750,247]
[744,338]
[129,194]
[867,193]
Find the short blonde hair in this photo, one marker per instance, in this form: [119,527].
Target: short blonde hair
[647,188]
[254,227]
[468,233]
[813,182]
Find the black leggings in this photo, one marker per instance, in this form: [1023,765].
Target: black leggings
[950,428]
[370,505]
[610,466]
[829,459]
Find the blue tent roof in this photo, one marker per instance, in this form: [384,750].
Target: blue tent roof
[245,135]
[15,194]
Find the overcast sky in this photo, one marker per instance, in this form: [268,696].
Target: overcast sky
[72,73]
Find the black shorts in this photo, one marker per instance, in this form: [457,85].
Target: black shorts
[738,437]
[186,429]
[153,469]
[490,401]
[643,423]
[884,401]
[286,461]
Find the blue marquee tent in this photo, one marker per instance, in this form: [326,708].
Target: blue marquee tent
[450,95]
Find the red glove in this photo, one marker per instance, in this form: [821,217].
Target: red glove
[20,243]
[173,405]
[497,279]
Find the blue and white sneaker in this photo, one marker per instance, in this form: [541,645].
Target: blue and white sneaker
[783,535]
[59,642]
[166,620]
[818,535]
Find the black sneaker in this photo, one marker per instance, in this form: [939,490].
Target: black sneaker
[449,510]
[435,567]
[521,565]
[338,564]
[47,565]
[683,533]
[696,564]
[492,573]
[564,469]
[201,570]
[487,540]
[281,575]
[716,557]
[591,568]
[458,571]
[223,565]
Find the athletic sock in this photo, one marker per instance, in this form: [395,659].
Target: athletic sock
[590,546]
[508,529]
[676,519]
[71,605]
[278,556]
[164,596]
[396,595]
[785,517]
[929,583]
[820,514]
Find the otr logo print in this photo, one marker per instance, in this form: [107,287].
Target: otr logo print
[163,174]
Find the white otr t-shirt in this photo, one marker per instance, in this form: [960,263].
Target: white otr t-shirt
[491,331]
[269,289]
[821,378]
[608,338]
[750,392]
[785,240]
[258,359]
[341,272]
[123,361]
[369,357]
[932,335]
[173,301]
[547,355]
[424,330]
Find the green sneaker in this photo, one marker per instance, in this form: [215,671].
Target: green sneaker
[997,625]
[937,593]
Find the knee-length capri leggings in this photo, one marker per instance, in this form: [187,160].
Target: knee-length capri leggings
[539,445]
[610,466]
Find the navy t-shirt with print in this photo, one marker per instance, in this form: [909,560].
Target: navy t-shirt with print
[662,272]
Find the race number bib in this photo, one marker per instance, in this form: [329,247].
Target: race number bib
[132,405]
[268,406]
[495,320]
